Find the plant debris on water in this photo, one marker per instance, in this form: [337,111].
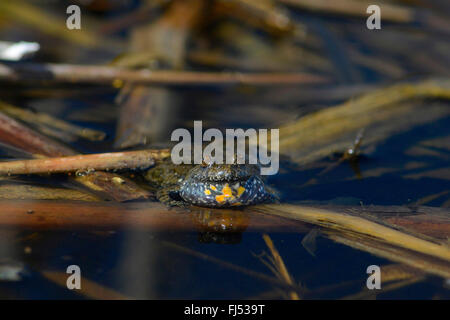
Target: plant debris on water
[87,178]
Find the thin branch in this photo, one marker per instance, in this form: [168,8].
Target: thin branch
[29,72]
[102,161]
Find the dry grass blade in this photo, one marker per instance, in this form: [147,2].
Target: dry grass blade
[31,15]
[423,262]
[89,288]
[391,12]
[370,236]
[398,272]
[394,276]
[431,197]
[319,134]
[278,267]
[371,294]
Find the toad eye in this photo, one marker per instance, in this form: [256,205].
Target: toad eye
[174,195]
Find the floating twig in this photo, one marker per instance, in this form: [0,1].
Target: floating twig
[102,161]
[43,119]
[32,192]
[26,72]
[72,215]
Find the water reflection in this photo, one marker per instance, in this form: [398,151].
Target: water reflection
[223,226]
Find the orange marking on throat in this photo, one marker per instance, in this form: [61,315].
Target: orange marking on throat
[240,191]
[226,191]
[220,199]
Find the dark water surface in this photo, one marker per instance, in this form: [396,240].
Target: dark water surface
[177,265]
[181,265]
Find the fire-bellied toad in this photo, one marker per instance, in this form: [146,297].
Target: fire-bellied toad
[209,185]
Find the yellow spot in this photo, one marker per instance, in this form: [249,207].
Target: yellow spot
[240,191]
[117,83]
[212,187]
[226,191]
[118,180]
[220,199]
[207,192]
